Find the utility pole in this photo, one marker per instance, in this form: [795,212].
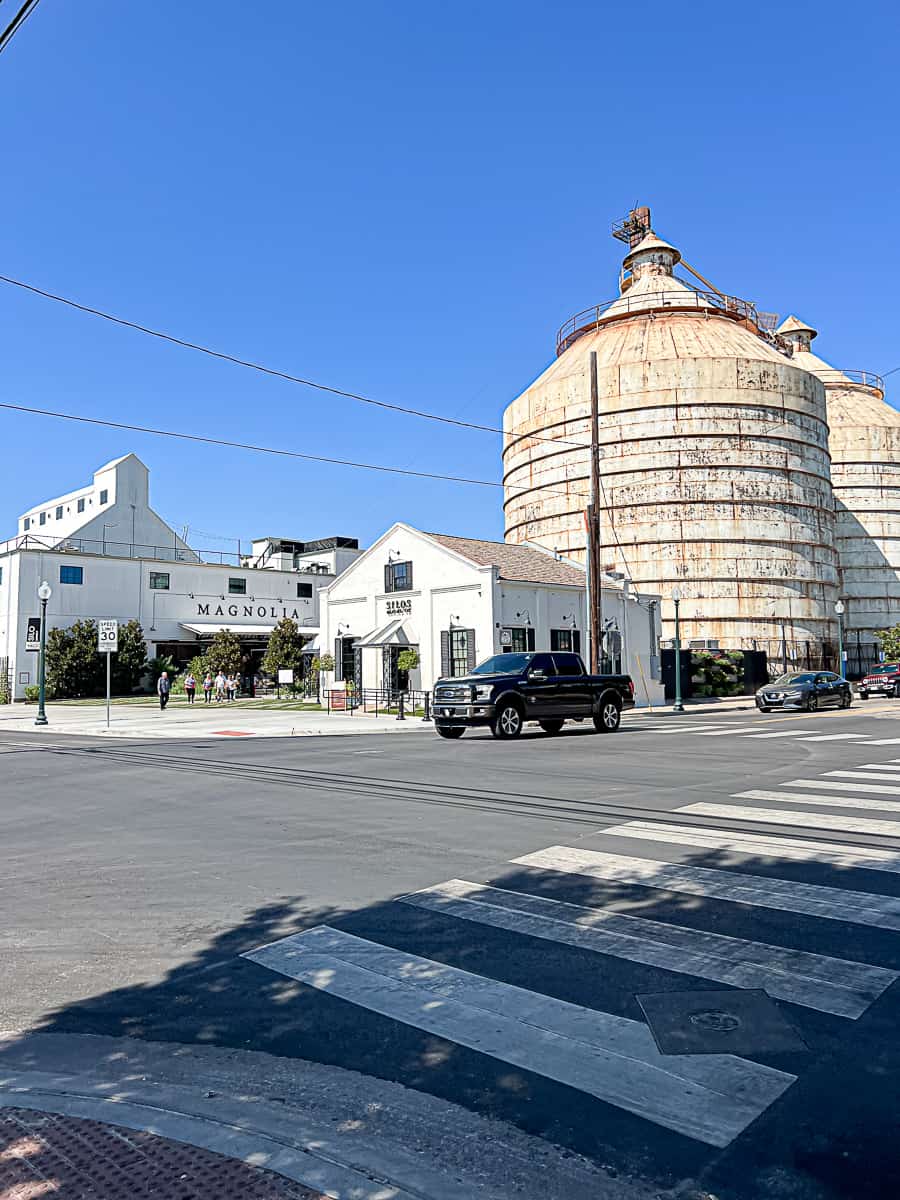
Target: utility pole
[593,531]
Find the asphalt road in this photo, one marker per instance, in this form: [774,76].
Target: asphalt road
[137,876]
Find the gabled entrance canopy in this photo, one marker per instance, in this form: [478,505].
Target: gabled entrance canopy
[397,633]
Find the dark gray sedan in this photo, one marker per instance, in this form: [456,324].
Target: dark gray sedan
[807,690]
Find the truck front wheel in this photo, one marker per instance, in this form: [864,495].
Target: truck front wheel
[507,722]
[608,718]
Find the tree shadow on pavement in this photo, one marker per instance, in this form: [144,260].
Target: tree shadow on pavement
[827,1137]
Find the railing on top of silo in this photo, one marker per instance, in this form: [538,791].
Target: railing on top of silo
[672,301]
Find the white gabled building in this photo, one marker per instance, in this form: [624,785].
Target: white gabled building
[458,600]
[106,553]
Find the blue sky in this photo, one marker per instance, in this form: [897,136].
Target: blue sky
[406,200]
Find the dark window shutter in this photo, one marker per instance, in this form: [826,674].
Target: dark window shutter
[409,582]
[445,653]
[470,649]
[576,640]
[530,637]
[388,577]
[338,660]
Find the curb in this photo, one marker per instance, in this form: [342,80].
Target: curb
[345,1135]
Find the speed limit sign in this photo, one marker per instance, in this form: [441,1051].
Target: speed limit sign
[108,636]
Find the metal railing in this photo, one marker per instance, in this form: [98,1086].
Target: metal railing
[378,701]
[110,549]
[865,378]
[691,301]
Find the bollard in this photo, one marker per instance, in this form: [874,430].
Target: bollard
[427,716]
[400,716]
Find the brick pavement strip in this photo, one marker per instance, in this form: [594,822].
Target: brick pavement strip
[69,1158]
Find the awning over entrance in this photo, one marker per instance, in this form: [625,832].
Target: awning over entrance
[211,628]
[397,633]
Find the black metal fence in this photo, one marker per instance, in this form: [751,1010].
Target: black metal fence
[378,701]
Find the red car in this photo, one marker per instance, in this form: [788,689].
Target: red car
[883,679]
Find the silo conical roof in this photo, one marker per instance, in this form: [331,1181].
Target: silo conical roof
[800,335]
[651,242]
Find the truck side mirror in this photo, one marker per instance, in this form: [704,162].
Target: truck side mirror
[537,673]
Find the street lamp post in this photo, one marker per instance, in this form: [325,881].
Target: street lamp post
[839,609]
[678,706]
[44,594]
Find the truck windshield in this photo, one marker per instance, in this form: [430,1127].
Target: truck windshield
[885,669]
[504,664]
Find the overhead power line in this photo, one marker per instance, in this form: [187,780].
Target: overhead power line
[205,439]
[297,379]
[235,360]
[262,368]
[17,22]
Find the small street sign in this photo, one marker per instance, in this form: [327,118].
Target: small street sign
[285,675]
[33,634]
[108,636]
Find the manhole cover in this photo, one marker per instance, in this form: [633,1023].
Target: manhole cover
[731,1022]
[710,1018]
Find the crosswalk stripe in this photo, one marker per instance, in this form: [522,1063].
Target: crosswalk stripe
[758,844]
[826,800]
[834,737]
[783,733]
[835,904]
[812,820]
[711,1098]
[676,728]
[726,732]
[813,980]
[884,777]
[890,765]
[882,742]
[885,789]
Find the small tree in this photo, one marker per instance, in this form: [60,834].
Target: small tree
[890,643]
[162,662]
[74,666]
[407,660]
[224,653]
[285,648]
[130,662]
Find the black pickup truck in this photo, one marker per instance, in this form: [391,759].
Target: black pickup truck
[507,690]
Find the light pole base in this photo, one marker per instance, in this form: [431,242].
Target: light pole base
[678,707]
[40,719]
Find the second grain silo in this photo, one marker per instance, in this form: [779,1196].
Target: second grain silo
[865,471]
[713,459]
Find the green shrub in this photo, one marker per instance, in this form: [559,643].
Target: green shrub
[32,693]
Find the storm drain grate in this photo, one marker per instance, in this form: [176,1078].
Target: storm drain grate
[42,1154]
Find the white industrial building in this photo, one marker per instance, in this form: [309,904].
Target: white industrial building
[106,553]
[458,600]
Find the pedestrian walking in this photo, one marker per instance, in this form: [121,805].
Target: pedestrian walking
[190,687]
[231,687]
[163,687]
[221,681]
[207,688]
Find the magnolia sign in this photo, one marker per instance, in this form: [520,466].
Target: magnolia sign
[273,611]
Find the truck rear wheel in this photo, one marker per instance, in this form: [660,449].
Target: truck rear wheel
[551,726]
[450,731]
[507,722]
[609,716]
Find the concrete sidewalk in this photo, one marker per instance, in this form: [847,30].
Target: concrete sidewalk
[138,721]
[234,721]
[121,1118]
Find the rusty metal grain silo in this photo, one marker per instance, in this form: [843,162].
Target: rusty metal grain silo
[865,472]
[714,459]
